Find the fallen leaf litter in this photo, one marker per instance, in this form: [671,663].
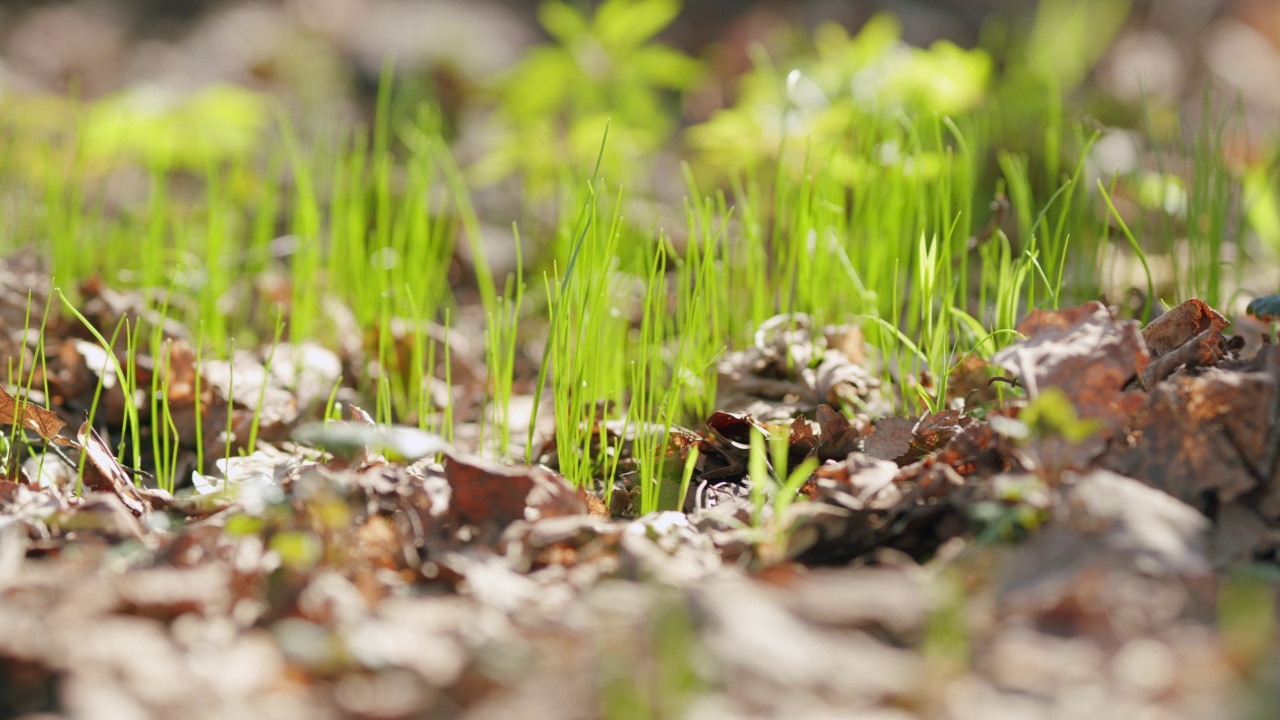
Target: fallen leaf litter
[945,565]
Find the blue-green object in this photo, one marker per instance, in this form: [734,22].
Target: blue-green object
[1265,308]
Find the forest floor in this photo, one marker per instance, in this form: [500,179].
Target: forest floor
[1085,553]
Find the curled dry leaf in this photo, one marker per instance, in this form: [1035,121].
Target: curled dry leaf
[1179,326]
[935,430]
[804,436]
[789,371]
[735,428]
[1189,335]
[104,473]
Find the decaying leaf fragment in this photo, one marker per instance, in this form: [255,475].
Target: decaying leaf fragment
[863,504]
[1200,437]
[838,435]
[905,440]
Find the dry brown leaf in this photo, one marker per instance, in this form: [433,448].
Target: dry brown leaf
[1189,335]
[494,496]
[14,411]
[861,507]
[105,474]
[1200,435]
[839,435]
[1180,325]
[935,430]
[1084,351]
[595,506]
[735,428]
[1106,522]
[890,438]
[977,450]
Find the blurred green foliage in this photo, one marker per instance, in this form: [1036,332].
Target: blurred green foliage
[218,123]
[142,126]
[603,69]
[848,84]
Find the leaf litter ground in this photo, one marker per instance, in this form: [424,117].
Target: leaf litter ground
[1093,551]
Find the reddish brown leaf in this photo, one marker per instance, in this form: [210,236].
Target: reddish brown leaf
[735,428]
[14,411]
[890,438]
[1180,325]
[1084,351]
[803,437]
[839,436]
[1189,335]
[935,430]
[494,496]
[978,450]
[1198,436]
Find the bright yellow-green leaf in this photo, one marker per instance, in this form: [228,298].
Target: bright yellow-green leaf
[876,38]
[661,66]
[623,25]
[162,129]
[1262,200]
[541,84]
[564,23]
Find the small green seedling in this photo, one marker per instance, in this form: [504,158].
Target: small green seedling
[775,532]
